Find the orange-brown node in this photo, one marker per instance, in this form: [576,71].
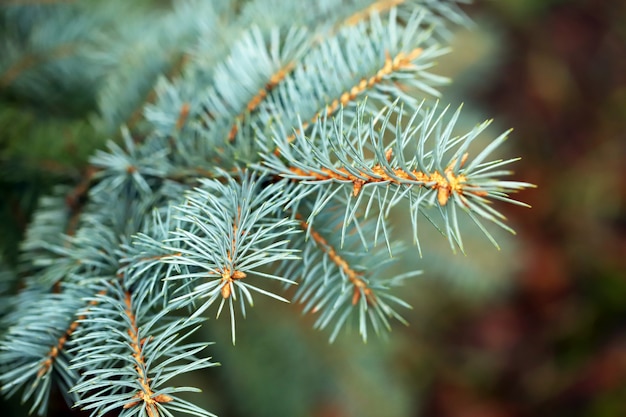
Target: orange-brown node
[228,277]
[233,132]
[360,286]
[256,100]
[150,402]
[376,7]
[182,116]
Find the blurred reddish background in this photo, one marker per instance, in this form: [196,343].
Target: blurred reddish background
[556,346]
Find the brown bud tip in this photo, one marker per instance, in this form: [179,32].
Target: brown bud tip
[442,196]
[130,405]
[226,290]
[182,116]
[388,154]
[356,296]
[163,398]
[238,275]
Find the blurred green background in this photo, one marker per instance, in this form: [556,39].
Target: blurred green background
[536,329]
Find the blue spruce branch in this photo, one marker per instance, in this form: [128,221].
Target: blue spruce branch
[279,161]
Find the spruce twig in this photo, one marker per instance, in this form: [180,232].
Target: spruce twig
[275,154]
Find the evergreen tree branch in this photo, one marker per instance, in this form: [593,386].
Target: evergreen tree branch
[401,168]
[344,282]
[255,101]
[145,394]
[376,7]
[60,346]
[278,161]
[263,70]
[30,357]
[179,61]
[146,349]
[227,233]
[400,62]
[29,61]
[360,287]
[396,62]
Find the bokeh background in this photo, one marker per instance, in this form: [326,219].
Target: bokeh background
[535,329]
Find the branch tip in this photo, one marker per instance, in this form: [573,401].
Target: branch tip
[227,280]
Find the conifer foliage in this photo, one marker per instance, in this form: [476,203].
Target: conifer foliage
[263,140]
